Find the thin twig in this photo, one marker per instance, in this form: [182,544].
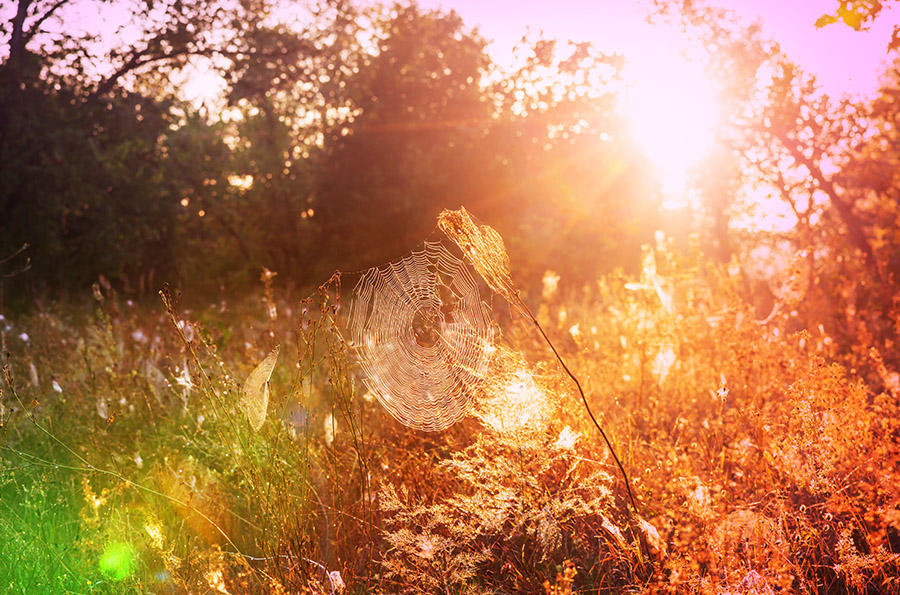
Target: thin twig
[562,363]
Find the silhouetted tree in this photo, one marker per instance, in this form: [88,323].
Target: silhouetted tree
[85,176]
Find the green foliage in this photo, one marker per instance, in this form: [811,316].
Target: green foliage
[82,177]
[44,549]
[117,561]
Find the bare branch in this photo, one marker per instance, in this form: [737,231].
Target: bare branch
[21,268]
[854,225]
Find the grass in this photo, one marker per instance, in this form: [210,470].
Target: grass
[760,461]
[42,552]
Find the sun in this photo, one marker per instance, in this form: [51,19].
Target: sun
[673,113]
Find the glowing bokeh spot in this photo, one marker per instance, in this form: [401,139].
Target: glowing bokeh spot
[118,560]
[516,404]
[663,362]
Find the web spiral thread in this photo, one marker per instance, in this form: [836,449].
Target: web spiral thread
[423,335]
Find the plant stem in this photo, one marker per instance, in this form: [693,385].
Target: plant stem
[562,363]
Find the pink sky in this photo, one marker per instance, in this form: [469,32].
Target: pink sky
[843,60]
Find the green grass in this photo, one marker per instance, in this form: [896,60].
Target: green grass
[46,548]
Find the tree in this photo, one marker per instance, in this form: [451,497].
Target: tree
[43,44]
[539,151]
[736,66]
[559,172]
[80,177]
[828,161]
[84,178]
[419,114]
[384,117]
[867,292]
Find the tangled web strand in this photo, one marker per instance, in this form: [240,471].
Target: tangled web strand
[424,336]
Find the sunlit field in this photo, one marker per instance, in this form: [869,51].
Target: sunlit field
[133,458]
[324,299]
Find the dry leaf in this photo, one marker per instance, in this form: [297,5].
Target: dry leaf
[657,544]
[256,390]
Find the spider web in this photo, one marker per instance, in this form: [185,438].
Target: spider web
[423,335]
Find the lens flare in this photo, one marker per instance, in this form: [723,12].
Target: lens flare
[118,561]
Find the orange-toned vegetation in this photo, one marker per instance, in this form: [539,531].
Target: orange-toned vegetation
[760,462]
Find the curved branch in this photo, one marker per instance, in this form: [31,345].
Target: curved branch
[855,227]
[36,26]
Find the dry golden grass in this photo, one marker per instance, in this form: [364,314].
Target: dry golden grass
[761,463]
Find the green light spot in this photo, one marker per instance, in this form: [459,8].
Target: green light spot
[117,561]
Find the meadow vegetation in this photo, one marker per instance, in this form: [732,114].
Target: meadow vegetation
[760,461]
